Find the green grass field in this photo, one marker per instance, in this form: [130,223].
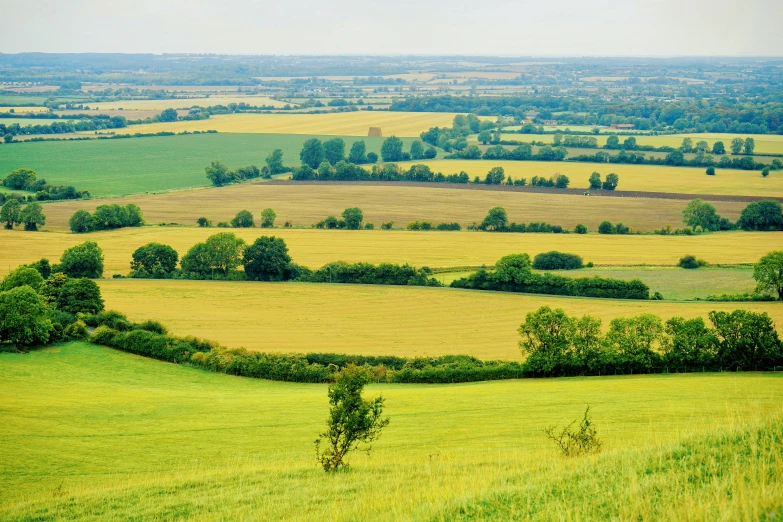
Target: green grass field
[93,434]
[129,166]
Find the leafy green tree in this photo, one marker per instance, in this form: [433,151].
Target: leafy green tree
[718,148]
[629,143]
[80,296]
[203,222]
[42,266]
[768,273]
[430,153]
[155,260]
[275,162]
[50,289]
[81,222]
[496,219]
[221,253]
[85,260]
[334,150]
[417,150]
[687,145]
[358,153]
[353,218]
[10,213]
[8,138]
[675,158]
[20,179]
[22,276]
[391,150]
[762,215]
[605,228]
[746,340]
[635,340]
[32,216]
[595,181]
[243,219]
[749,145]
[736,145]
[546,339]
[267,259]
[325,170]
[484,137]
[109,217]
[24,318]
[580,229]
[710,171]
[372,157]
[611,181]
[312,153]
[702,146]
[612,142]
[352,420]
[169,115]
[765,171]
[698,213]
[268,217]
[495,176]
[218,174]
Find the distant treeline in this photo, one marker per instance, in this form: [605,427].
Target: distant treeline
[554,345]
[25,179]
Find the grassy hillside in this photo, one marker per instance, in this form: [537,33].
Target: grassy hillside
[314,248]
[367,319]
[93,434]
[129,166]
[304,205]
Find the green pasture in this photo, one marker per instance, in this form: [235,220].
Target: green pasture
[133,165]
[90,433]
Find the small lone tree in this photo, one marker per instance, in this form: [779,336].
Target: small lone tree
[268,217]
[243,219]
[353,218]
[352,420]
[574,442]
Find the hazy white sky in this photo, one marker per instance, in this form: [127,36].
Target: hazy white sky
[493,27]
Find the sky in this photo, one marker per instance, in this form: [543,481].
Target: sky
[474,27]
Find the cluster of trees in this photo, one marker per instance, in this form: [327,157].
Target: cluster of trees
[31,216]
[106,217]
[369,274]
[426,225]
[676,158]
[352,219]
[40,303]
[220,175]
[556,344]
[606,227]
[496,220]
[25,179]
[610,183]
[78,123]
[555,260]
[322,156]
[764,215]
[514,273]
[455,138]
[522,152]
[245,219]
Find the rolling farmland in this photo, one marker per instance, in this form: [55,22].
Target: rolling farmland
[400,124]
[367,319]
[186,103]
[305,204]
[170,441]
[314,248]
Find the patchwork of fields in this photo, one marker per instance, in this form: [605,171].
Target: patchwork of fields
[314,248]
[306,204]
[367,319]
[186,103]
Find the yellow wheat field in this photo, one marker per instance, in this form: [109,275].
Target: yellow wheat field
[366,319]
[304,205]
[402,124]
[765,143]
[314,248]
[644,178]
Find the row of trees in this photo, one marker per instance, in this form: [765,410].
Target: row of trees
[319,155]
[220,175]
[31,216]
[106,217]
[556,344]
[25,179]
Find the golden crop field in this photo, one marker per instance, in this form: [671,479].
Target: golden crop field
[314,248]
[304,205]
[169,442]
[367,319]
[642,178]
[401,124]
[765,143]
[24,109]
[184,103]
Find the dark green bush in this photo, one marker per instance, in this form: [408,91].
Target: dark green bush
[557,261]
